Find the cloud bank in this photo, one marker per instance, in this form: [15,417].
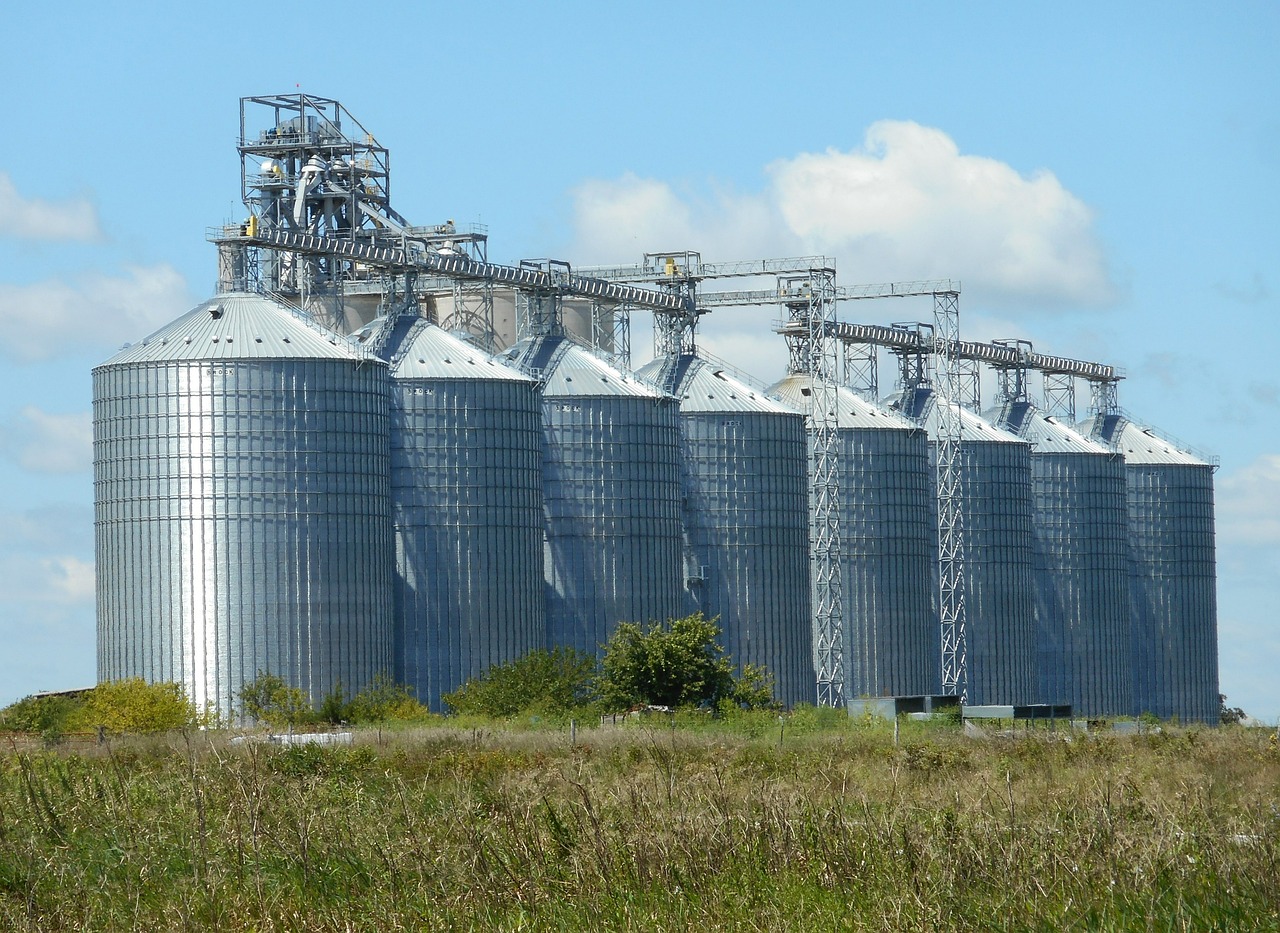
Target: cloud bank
[44,442]
[906,204]
[36,219]
[52,318]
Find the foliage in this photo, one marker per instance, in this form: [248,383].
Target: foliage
[551,682]
[336,708]
[383,699]
[1229,715]
[49,716]
[135,706]
[634,828]
[269,699]
[677,663]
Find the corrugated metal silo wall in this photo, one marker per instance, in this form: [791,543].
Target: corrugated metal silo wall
[1083,641]
[611,490]
[888,539]
[1174,590]
[747,517]
[1000,585]
[467,514]
[242,524]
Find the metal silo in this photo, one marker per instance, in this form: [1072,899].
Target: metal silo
[466,493]
[241,505]
[888,545]
[1080,520]
[995,476]
[611,494]
[744,471]
[1173,586]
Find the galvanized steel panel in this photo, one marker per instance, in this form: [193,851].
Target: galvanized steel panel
[466,487]
[1000,585]
[1083,641]
[1173,583]
[242,522]
[611,493]
[745,469]
[888,543]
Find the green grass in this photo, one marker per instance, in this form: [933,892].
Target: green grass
[710,825]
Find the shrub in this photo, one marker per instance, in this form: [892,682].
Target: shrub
[268,699]
[135,706]
[556,681]
[383,699]
[677,663]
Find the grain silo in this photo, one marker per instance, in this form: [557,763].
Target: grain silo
[995,476]
[611,495]
[744,469]
[241,505]
[466,500]
[1173,584]
[1080,520]
[888,546]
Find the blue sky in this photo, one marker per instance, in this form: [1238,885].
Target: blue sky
[1104,179]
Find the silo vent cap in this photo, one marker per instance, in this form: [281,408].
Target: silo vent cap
[215,312]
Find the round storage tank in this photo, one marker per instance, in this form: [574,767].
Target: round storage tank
[888,547]
[1173,582]
[466,492]
[1083,644]
[745,474]
[611,494]
[995,476]
[241,506]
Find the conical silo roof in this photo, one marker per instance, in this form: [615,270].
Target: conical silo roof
[1045,433]
[1139,444]
[853,411]
[701,386]
[426,351]
[921,405]
[238,326]
[568,369]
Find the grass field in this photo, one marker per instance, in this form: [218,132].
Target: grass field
[825,825]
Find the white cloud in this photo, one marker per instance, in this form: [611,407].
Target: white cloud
[97,312]
[905,205]
[69,579]
[44,442]
[1248,505]
[36,219]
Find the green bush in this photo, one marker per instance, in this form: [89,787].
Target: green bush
[269,699]
[384,700]
[135,706]
[548,682]
[677,663]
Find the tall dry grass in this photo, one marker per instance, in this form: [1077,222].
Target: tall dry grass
[647,827]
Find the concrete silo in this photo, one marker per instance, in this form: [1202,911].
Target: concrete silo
[241,505]
[1080,522]
[611,494]
[466,499]
[1173,583]
[744,469]
[995,474]
[888,542]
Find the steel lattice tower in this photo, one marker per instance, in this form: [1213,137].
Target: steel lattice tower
[951,550]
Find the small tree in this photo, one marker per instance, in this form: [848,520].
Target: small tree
[1229,715]
[556,681]
[133,705]
[677,663]
[383,699]
[267,698]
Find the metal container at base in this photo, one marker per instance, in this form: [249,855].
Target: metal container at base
[995,476]
[241,506]
[745,478]
[888,546]
[1173,582]
[611,495]
[1080,522]
[466,490]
